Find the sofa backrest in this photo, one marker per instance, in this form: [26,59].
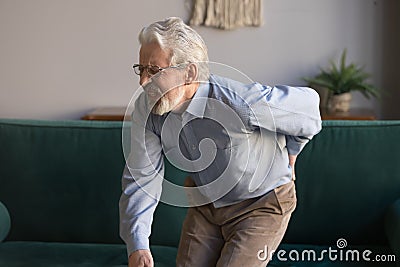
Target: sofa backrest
[61,181]
[347,176]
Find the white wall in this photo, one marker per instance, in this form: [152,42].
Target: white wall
[60,59]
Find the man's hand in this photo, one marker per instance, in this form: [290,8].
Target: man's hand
[141,258]
[292,161]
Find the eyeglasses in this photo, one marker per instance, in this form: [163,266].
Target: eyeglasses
[151,69]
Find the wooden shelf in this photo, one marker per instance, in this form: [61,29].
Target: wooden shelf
[106,114]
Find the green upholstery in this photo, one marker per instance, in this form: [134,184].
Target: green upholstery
[349,173]
[61,182]
[50,254]
[5,222]
[393,227]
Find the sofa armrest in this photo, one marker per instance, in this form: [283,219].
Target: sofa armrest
[5,222]
[392,227]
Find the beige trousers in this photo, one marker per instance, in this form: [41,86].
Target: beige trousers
[234,235]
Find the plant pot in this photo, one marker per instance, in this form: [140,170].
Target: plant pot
[339,103]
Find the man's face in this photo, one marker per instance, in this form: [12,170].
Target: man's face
[165,90]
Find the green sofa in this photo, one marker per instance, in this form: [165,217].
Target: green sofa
[60,186]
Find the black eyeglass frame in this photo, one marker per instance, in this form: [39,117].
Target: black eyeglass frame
[139,68]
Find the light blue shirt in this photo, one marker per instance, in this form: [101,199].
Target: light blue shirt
[233,139]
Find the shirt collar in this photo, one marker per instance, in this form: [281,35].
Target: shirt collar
[197,105]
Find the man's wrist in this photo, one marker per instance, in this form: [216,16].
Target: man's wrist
[137,251]
[292,159]
[139,242]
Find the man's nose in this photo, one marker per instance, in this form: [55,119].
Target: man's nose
[144,78]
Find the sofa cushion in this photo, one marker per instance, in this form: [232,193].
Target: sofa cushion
[5,222]
[51,254]
[48,254]
[392,225]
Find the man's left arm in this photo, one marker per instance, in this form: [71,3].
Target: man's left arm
[292,111]
[306,101]
[295,111]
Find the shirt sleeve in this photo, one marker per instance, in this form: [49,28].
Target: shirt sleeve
[292,111]
[141,182]
[295,144]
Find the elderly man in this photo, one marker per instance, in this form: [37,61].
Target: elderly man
[239,143]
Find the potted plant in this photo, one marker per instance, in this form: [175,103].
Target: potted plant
[340,81]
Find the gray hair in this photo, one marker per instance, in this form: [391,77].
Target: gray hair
[183,42]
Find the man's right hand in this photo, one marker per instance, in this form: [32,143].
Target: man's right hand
[141,258]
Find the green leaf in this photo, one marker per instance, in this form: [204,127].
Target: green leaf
[344,78]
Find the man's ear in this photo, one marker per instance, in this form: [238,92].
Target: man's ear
[191,73]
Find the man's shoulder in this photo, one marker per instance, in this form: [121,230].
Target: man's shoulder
[237,92]
[229,83]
